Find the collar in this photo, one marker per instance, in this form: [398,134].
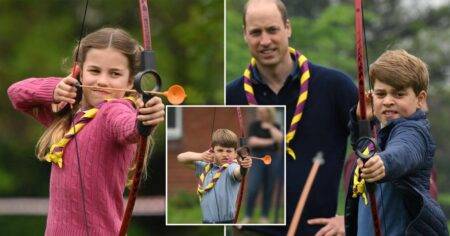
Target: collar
[256,77]
[417,115]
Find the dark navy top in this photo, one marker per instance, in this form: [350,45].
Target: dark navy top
[404,204]
[323,127]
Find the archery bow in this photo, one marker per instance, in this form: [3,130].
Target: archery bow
[365,142]
[241,144]
[147,71]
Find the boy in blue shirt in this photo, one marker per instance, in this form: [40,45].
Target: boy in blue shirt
[402,166]
[219,176]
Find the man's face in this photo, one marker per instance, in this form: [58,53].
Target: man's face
[390,104]
[224,155]
[266,34]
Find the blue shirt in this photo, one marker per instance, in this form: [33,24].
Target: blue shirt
[219,203]
[323,127]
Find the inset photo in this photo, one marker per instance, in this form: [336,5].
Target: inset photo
[225,165]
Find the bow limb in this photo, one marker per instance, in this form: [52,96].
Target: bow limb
[241,188]
[147,68]
[364,123]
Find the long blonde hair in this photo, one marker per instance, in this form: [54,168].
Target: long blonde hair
[104,38]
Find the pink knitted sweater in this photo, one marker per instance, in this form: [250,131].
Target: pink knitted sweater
[106,147]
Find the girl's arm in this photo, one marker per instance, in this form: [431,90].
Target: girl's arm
[121,118]
[34,96]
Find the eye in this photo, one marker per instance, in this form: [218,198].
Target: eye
[272,30]
[255,33]
[380,94]
[94,71]
[400,94]
[116,74]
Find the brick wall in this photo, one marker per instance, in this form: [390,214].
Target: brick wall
[197,125]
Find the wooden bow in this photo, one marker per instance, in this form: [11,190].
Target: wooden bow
[147,71]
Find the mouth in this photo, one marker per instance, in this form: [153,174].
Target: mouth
[101,92]
[267,51]
[389,112]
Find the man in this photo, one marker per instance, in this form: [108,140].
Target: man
[318,98]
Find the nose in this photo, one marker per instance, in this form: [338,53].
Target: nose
[102,80]
[388,100]
[265,39]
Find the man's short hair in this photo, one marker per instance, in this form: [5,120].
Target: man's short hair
[280,5]
[400,70]
[225,138]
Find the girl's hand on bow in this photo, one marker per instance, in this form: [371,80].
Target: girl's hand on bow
[65,91]
[152,113]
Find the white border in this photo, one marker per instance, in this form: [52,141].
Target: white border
[177,132]
[167,170]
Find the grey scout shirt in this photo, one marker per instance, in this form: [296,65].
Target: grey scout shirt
[218,204]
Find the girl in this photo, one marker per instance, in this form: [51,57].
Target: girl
[90,168]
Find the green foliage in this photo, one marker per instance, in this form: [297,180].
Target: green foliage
[184,208]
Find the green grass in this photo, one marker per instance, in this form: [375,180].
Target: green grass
[184,208]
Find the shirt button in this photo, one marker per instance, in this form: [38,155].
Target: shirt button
[265,94]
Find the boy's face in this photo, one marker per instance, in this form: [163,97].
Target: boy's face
[224,155]
[390,104]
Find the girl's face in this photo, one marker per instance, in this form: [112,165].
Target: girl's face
[390,104]
[106,68]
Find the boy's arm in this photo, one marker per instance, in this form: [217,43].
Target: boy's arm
[239,172]
[189,158]
[405,152]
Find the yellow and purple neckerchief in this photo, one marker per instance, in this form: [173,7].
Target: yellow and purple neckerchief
[202,190]
[303,95]
[57,149]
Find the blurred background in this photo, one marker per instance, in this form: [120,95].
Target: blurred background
[36,37]
[324,31]
[190,129]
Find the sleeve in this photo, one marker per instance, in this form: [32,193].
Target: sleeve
[405,152]
[346,97]
[199,166]
[34,97]
[230,171]
[120,120]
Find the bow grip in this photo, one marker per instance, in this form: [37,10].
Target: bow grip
[145,130]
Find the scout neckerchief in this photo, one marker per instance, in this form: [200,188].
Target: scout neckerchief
[200,190]
[57,149]
[304,80]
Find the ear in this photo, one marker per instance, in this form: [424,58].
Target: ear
[130,82]
[422,100]
[288,28]
[244,34]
